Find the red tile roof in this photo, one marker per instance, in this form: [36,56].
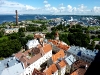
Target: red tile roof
[52,69]
[47,48]
[62,64]
[58,55]
[39,35]
[27,58]
[36,72]
[60,44]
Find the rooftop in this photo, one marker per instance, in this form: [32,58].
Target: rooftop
[79,71]
[52,69]
[33,54]
[76,50]
[80,64]
[58,56]
[60,44]
[70,59]
[62,64]
[39,35]
[7,66]
[32,43]
[47,48]
[36,72]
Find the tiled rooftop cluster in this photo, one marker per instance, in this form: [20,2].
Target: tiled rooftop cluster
[39,59]
[33,54]
[58,64]
[60,44]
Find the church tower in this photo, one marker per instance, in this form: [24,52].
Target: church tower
[57,35]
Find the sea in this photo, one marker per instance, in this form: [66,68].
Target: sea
[10,18]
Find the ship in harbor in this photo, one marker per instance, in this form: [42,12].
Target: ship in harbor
[40,17]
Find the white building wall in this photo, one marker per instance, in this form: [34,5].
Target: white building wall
[56,73]
[37,64]
[63,70]
[8,31]
[86,58]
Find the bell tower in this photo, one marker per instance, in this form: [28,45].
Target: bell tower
[57,36]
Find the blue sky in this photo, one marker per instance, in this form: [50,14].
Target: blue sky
[67,7]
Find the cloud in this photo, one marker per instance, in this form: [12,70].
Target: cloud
[9,7]
[69,8]
[28,7]
[96,9]
[45,2]
[47,5]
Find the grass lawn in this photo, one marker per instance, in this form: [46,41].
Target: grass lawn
[64,32]
[94,28]
[96,39]
[4,38]
[1,58]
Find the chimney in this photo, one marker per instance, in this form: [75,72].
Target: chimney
[16,17]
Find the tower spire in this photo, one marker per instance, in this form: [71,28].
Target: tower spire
[57,35]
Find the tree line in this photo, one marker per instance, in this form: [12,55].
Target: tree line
[76,35]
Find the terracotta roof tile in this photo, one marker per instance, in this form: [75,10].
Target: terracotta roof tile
[28,59]
[59,44]
[62,64]
[52,69]
[38,35]
[47,48]
[18,55]
[36,72]
[58,55]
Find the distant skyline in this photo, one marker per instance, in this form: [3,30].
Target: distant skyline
[56,7]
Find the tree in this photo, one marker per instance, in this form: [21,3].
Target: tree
[13,36]
[78,39]
[21,30]
[63,37]
[97,47]
[1,33]
[29,37]
[21,34]
[9,47]
[23,41]
[93,36]
[98,36]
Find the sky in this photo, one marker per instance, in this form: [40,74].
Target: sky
[56,7]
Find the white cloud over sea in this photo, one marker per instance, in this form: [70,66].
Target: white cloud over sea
[9,7]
